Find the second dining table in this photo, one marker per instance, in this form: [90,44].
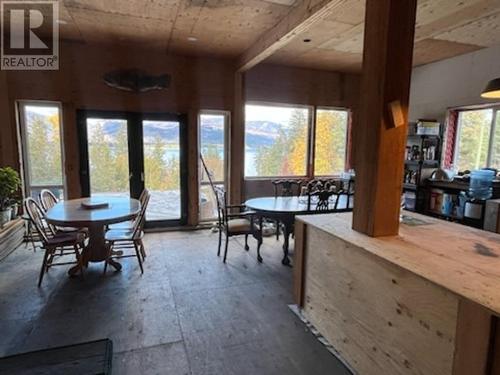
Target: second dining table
[71,213]
[284,210]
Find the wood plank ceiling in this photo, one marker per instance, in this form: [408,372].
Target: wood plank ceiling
[227,28]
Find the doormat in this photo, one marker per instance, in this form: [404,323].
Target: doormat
[295,309]
[90,358]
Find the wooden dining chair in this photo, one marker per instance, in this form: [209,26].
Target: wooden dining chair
[323,200]
[285,188]
[118,240]
[47,199]
[71,243]
[129,225]
[236,223]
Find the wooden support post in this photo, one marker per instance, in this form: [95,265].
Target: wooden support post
[237,141]
[378,145]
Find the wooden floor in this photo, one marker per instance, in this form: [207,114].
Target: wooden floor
[188,314]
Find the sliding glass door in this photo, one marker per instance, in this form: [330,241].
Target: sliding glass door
[122,153]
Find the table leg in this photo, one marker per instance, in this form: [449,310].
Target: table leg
[288,227]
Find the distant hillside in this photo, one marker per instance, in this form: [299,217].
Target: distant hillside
[258,133]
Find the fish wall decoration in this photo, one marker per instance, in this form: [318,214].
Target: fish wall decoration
[135,80]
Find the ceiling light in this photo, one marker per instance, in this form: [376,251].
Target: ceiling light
[492,90]
[192,39]
[307,40]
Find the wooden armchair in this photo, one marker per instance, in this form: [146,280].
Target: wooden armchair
[236,223]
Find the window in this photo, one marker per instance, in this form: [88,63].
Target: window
[276,140]
[41,143]
[213,127]
[478,139]
[330,141]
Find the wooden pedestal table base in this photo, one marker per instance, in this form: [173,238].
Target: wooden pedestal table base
[72,214]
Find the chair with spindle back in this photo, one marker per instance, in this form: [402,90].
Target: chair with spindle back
[236,223]
[118,240]
[285,188]
[70,243]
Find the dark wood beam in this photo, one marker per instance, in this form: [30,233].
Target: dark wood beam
[379,145]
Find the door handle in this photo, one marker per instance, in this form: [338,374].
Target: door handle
[142,176]
[130,176]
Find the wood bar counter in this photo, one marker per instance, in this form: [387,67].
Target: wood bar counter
[423,302]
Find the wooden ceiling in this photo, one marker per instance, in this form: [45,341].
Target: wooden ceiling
[445,28]
[228,28]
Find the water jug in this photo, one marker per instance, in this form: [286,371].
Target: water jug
[481,184]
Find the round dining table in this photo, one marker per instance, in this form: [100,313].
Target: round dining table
[284,210]
[95,214]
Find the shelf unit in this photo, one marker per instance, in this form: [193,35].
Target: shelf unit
[420,167]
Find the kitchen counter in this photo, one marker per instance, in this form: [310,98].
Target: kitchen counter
[424,302]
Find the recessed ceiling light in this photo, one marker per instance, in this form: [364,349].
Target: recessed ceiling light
[307,40]
[61,22]
[192,39]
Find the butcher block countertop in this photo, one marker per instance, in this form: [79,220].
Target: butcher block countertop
[463,260]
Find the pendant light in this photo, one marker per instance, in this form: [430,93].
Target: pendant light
[492,90]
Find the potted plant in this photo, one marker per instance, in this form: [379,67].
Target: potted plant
[9,185]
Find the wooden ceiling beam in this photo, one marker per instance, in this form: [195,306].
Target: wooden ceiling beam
[300,19]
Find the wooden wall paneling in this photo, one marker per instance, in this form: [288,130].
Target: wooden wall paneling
[237,141]
[299,262]
[472,339]
[8,146]
[387,64]
[71,151]
[382,319]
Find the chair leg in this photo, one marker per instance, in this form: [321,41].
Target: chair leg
[110,249]
[259,244]
[142,250]
[246,243]
[44,266]
[79,259]
[220,241]
[225,251]
[277,230]
[137,253]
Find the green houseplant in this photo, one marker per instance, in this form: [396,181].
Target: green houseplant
[9,185]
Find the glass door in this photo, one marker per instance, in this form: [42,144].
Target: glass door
[164,168]
[123,153]
[213,126]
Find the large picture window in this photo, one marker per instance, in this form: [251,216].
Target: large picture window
[278,141]
[41,144]
[478,139]
[330,141]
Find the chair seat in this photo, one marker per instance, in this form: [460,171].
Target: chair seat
[121,235]
[240,225]
[126,225]
[66,239]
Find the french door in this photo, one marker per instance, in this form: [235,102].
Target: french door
[121,153]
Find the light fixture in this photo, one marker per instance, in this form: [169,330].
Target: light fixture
[492,90]
[192,39]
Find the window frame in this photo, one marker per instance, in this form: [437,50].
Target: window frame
[495,107]
[313,154]
[310,130]
[23,144]
[227,127]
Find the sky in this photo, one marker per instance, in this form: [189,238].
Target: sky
[267,113]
